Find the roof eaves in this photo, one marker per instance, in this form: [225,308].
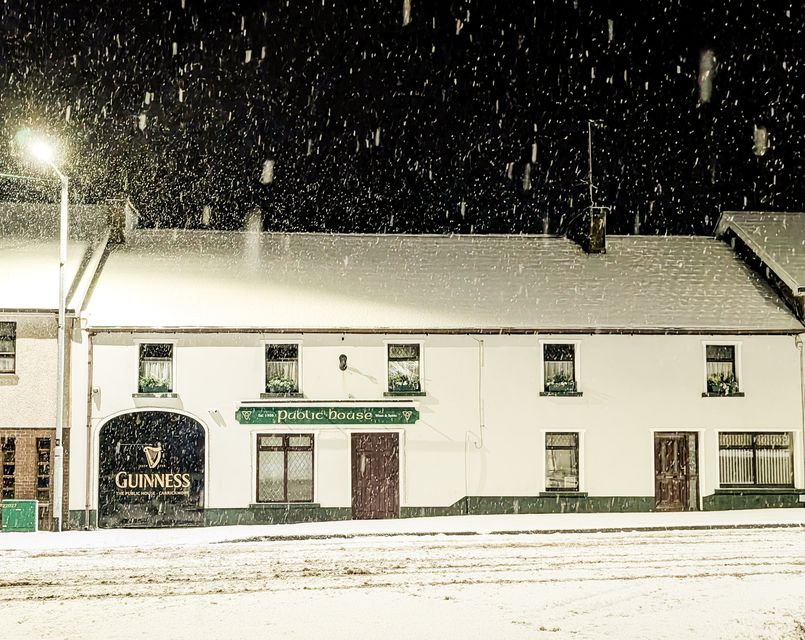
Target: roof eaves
[746,236]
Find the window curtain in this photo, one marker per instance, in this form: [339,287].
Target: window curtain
[555,368]
[282,369]
[159,369]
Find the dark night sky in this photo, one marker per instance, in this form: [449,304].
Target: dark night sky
[373,125]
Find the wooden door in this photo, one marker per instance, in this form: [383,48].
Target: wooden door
[375,475]
[674,471]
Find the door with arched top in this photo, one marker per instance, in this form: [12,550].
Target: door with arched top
[151,470]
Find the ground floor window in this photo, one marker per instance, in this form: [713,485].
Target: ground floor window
[8,451]
[284,467]
[562,461]
[43,470]
[756,459]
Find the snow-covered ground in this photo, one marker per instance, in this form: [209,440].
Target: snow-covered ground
[219,583]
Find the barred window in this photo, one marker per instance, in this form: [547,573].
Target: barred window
[756,459]
[8,347]
[404,368]
[562,461]
[284,467]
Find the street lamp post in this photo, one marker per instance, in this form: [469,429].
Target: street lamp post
[44,153]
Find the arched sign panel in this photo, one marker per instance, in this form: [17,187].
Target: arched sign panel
[151,471]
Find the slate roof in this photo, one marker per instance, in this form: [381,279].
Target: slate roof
[29,253]
[183,278]
[776,238]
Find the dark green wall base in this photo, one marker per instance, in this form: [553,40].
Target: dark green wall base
[488,505]
[285,514]
[725,499]
[485,505]
[75,519]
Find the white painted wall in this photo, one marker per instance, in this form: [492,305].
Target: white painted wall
[631,385]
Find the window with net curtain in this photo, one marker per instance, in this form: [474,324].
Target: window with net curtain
[8,347]
[285,467]
[403,368]
[561,461]
[560,367]
[156,368]
[282,368]
[756,459]
[721,367]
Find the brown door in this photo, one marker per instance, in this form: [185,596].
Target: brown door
[375,475]
[675,472]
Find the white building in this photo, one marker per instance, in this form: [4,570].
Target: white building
[249,377]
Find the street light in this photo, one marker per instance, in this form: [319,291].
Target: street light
[42,151]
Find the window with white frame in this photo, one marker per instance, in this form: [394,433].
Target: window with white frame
[8,347]
[562,461]
[404,368]
[722,372]
[282,368]
[285,467]
[559,367]
[156,368]
[756,459]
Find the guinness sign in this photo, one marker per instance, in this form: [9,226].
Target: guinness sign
[151,471]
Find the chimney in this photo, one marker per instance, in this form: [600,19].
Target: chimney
[589,230]
[123,217]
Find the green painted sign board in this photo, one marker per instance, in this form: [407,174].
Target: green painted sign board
[326,415]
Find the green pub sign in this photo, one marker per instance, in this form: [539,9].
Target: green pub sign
[326,415]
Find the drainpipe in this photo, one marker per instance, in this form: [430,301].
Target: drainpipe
[469,436]
[88,462]
[801,346]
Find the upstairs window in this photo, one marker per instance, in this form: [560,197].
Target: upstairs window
[722,377]
[404,368]
[156,368]
[8,347]
[561,461]
[756,459]
[282,368]
[559,368]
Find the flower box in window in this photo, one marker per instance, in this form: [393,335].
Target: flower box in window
[150,384]
[281,385]
[403,384]
[723,384]
[560,383]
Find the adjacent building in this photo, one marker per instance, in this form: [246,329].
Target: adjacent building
[29,263]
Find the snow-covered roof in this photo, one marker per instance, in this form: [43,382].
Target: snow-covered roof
[188,279]
[29,253]
[778,239]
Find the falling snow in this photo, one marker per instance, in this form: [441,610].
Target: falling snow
[371,112]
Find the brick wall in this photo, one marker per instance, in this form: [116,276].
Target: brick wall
[26,467]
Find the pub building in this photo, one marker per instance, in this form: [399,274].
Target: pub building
[248,377]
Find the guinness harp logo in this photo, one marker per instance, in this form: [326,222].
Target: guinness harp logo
[153,455]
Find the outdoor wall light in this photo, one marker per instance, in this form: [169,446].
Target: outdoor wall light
[342,362]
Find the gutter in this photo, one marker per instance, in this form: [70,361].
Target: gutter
[650,331]
[798,341]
